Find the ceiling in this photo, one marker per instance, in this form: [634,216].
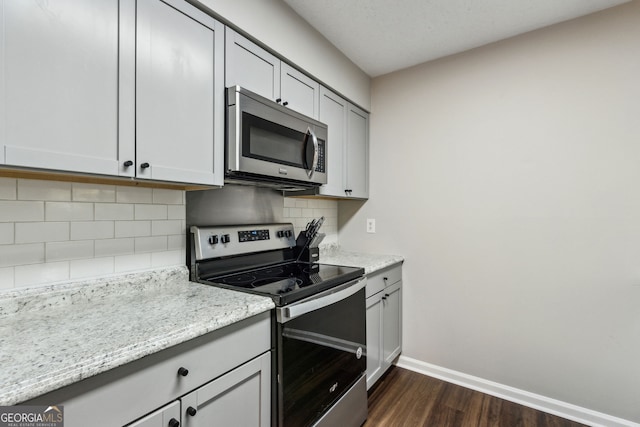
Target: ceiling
[382,36]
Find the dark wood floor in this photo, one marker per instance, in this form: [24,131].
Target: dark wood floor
[405,398]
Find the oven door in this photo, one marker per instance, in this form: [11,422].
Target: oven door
[269,140]
[321,352]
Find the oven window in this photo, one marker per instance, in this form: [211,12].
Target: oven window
[265,140]
[319,358]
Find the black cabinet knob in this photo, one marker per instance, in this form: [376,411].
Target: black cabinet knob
[174,423]
[279,100]
[183,372]
[385,278]
[285,103]
[128,163]
[192,411]
[144,165]
[384,297]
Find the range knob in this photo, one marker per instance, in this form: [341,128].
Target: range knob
[280,233]
[287,233]
[213,240]
[225,238]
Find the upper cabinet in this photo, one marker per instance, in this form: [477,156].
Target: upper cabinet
[113,87]
[252,67]
[59,91]
[179,93]
[348,147]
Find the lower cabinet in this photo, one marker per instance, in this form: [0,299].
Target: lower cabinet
[240,397]
[221,376]
[384,321]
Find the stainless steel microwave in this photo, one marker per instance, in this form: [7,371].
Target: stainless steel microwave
[270,144]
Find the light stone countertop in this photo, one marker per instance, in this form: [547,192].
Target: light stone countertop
[333,254]
[57,335]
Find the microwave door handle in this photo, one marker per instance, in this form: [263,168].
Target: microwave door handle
[314,163]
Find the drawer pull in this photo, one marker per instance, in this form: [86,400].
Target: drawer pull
[192,411]
[174,423]
[183,372]
[144,165]
[385,278]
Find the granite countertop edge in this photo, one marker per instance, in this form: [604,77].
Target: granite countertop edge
[29,373]
[334,254]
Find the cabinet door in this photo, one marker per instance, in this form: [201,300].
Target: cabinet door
[179,93]
[241,397]
[357,153]
[250,66]
[392,323]
[299,92]
[59,91]
[161,417]
[333,112]
[374,338]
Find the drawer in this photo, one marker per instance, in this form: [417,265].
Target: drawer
[154,380]
[380,279]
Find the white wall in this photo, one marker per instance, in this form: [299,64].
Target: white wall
[276,25]
[509,178]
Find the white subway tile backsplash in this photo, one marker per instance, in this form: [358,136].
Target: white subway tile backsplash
[83,268]
[20,211]
[176,242]
[111,247]
[86,230]
[159,259]
[64,251]
[289,202]
[29,189]
[150,212]
[126,263]
[6,278]
[113,211]
[8,189]
[12,255]
[6,233]
[307,212]
[176,212]
[93,193]
[295,212]
[35,274]
[68,211]
[133,228]
[33,232]
[150,244]
[162,196]
[134,195]
[166,227]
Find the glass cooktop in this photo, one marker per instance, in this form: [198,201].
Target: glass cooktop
[290,281]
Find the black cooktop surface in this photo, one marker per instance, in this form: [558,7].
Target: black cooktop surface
[288,282]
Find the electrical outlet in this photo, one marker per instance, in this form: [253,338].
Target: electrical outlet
[371,225]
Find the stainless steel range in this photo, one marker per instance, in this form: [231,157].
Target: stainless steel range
[319,322]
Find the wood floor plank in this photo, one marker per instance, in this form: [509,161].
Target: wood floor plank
[403,398]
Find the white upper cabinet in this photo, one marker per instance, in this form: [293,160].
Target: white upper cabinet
[59,91]
[179,93]
[253,68]
[348,147]
[357,153]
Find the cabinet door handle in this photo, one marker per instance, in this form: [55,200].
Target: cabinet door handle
[385,278]
[384,297]
[174,423]
[128,163]
[279,100]
[192,411]
[183,372]
[285,103]
[144,165]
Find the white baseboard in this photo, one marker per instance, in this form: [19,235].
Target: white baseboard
[532,400]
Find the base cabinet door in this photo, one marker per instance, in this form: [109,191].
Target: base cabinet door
[241,397]
[374,339]
[167,416]
[392,325]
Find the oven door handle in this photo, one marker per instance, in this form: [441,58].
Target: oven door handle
[321,300]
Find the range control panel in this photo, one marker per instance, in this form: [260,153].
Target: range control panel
[218,241]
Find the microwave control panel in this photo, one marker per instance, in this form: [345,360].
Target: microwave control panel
[321,156]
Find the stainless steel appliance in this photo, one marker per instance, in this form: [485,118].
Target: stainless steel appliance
[271,144]
[319,331]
